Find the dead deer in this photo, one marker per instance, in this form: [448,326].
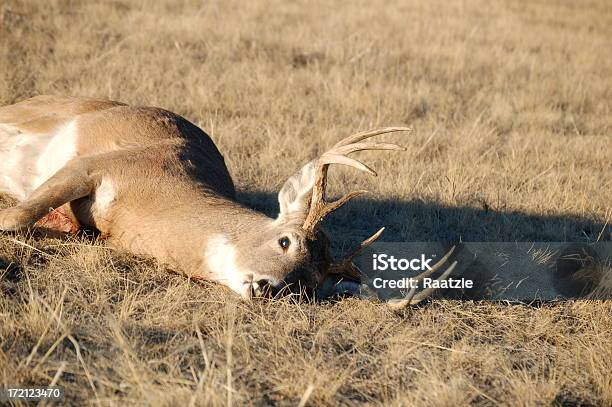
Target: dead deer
[154,184]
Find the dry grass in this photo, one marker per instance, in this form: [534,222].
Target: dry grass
[511,105]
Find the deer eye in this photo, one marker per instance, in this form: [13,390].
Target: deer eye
[284,242]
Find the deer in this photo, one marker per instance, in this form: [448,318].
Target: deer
[152,183]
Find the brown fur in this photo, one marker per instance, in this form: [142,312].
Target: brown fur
[172,188]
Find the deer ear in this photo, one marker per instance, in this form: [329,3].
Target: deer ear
[295,193]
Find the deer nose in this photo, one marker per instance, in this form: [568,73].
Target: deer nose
[263,287]
[264,282]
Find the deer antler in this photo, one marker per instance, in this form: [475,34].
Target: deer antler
[413,298]
[338,154]
[319,208]
[346,268]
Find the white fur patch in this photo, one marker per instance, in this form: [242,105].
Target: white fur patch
[29,159]
[220,256]
[13,174]
[104,197]
[60,149]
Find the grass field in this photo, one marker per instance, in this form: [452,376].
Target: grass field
[511,108]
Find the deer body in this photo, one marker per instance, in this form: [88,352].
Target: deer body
[155,184]
[147,179]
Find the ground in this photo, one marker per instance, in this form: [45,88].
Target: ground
[511,108]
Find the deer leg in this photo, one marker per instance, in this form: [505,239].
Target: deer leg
[70,183]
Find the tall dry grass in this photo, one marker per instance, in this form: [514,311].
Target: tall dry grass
[510,102]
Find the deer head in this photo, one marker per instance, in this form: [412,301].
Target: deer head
[296,250]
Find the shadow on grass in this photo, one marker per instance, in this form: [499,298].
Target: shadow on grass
[419,221]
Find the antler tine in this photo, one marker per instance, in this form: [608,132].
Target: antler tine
[357,251]
[413,297]
[332,206]
[364,245]
[345,266]
[351,148]
[338,154]
[332,158]
[369,133]
[435,267]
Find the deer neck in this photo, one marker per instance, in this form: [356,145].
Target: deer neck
[200,235]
